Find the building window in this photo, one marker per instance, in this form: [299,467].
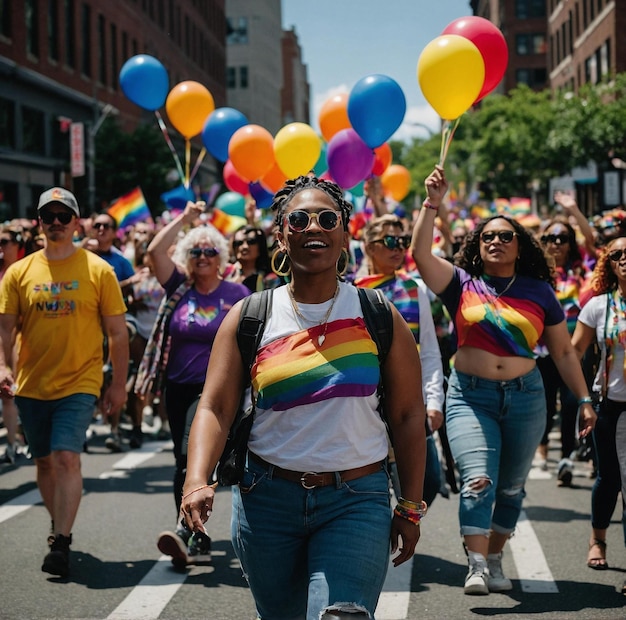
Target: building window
[5,18]
[243,77]
[236,30]
[527,44]
[7,124]
[85,29]
[114,69]
[53,30]
[70,46]
[526,9]
[102,56]
[33,131]
[32,27]
[591,70]
[535,78]
[605,58]
[231,77]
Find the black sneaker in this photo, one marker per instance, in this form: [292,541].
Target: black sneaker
[57,562]
[170,543]
[136,437]
[199,550]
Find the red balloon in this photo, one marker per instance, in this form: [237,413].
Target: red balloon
[490,43]
[383,157]
[234,181]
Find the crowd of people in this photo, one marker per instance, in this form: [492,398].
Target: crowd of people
[496,331]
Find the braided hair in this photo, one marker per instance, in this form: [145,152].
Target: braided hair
[283,197]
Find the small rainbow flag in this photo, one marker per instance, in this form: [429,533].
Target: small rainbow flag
[130,209]
[225,222]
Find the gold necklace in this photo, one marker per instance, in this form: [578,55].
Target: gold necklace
[324,321]
[492,298]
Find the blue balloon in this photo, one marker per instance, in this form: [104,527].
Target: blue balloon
[178,197]
[145,82]
[261,196]
[322,165]
[376,108]
[219,129]
[232,203]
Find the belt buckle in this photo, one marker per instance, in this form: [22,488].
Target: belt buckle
[303,479]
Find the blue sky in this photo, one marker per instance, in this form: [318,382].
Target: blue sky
[343,41]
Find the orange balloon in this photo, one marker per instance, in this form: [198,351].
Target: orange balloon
[333,116]
[383,157]
[188,106]
[274,179]
[251,151]
[396,182]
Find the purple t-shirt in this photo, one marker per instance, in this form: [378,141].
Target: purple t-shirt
[193,327]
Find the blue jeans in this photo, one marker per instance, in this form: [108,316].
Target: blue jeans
[494,428]
[53,425]
[303,550]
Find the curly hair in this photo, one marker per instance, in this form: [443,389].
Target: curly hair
[206,233]
[574,257]
[532,259]
[603,278]
[283,197]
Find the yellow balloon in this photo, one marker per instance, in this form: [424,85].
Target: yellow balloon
[296,149]
[451,73]
[188,106]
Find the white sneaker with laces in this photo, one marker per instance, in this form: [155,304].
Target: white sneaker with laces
[477,576]
[497,582]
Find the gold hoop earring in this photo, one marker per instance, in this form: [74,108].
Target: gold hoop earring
[284,269]
[343,262]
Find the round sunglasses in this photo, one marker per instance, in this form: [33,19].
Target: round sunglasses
[48,217]
[616,255]
[208,252]
[392,242]
[300,221]
[505,236]
[559,239]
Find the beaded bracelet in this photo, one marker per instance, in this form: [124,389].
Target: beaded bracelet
[419,506]
[585,400]
[430,205]
[414,516]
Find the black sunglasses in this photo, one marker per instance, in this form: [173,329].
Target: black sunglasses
[208,252]
[556,239]
[299,220]
[5,241]
[48,217]
[506,236]
[391,242]
[249,240]
[105,225]
[616,255]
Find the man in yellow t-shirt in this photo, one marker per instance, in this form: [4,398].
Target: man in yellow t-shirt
[61,300]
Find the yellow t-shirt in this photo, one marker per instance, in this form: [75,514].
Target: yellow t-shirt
[59,304]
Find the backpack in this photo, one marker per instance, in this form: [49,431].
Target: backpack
[254,312]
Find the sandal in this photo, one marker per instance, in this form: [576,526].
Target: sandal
[598,562]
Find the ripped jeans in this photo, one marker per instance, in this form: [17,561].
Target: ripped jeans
[305,550]
[494,428]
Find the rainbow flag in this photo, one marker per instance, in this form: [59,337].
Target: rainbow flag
[225,222]
[130,209]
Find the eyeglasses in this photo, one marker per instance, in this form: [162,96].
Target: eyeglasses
[300,221]
[48,217]
[556,239]
[105,225]
[616,255]
[208,252]
[505,236]
[5,241]
[249,240]
[391,242]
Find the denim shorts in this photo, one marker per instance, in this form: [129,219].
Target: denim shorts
[303,550]
[494,428]
[53,425]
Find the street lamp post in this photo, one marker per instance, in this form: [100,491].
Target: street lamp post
[92,130]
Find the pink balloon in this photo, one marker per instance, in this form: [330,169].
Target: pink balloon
[490,43]
[350,160]
[234,181]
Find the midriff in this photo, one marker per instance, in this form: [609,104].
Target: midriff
[473,361]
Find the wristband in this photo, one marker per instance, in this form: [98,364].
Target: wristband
[585,400]
[430,205]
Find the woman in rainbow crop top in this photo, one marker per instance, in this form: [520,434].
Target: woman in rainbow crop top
[311,521]
[500,296]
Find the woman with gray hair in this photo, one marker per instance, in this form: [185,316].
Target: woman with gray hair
[177,354]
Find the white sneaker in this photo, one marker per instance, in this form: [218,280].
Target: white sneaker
[477,576]
[497,582]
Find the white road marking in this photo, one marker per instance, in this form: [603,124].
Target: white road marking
[393,603]
[19,504]
[532,568]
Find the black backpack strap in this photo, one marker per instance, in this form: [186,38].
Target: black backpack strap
[254,312]
[378,319]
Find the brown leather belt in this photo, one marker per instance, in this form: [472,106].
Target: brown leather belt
[312,479]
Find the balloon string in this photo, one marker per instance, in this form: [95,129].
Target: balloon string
[187,158]
[447,131]
[197,164]
[166,135]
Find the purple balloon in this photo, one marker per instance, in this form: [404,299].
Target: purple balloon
[350,160]
[261,196]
